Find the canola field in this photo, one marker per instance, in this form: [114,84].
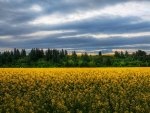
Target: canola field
[75,90]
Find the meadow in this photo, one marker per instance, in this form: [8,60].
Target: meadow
[75,90]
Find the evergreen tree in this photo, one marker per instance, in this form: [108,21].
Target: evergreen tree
[85,59]
[55,58]
[126,54]
[121,54]
[74,56]
[117,54]
[32,55]
[48,54]
[66,53]
[23,53]
[62,54]
[16,54]
[100,53]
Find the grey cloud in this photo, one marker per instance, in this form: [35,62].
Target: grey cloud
[82,42]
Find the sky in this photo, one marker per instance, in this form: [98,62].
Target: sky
[81,25]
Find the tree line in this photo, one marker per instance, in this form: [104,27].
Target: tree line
[60,58]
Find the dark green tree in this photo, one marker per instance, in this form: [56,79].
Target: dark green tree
[23,53]
[117,54]
[16,54]
[126,54]
[100,53]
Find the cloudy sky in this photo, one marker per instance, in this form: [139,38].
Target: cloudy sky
[90,25]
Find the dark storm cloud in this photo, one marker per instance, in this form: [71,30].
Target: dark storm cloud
[107,25]
[16,15]
[82,42]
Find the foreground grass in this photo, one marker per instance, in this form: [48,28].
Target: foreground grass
[74,90]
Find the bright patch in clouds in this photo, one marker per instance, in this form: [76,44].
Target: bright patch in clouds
[126,35]
[6,37]
[48,33]
[136,9]
[36,8]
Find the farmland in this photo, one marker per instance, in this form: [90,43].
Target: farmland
[74,90]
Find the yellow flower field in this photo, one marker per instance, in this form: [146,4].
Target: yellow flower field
[75,90]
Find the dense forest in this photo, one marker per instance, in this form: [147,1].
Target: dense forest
[60,58]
